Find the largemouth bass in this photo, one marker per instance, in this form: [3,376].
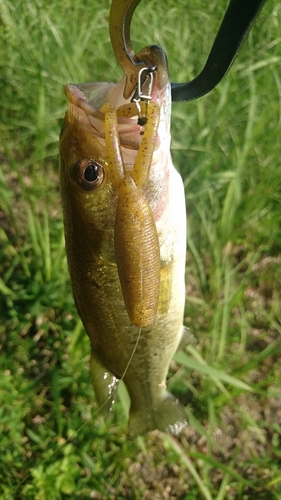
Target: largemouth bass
[125,232]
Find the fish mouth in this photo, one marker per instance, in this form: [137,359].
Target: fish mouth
[86,99]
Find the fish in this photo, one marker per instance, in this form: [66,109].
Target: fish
[125,234]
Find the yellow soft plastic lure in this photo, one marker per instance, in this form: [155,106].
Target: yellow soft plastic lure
[135,236]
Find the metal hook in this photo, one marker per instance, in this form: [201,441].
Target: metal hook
[236,23]
[139,95]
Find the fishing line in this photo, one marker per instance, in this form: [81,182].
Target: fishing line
[111,396]
[132,355]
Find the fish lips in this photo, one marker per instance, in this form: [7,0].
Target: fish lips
[86,99]
[91,96]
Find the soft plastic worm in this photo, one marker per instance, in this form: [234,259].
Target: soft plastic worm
[136,242]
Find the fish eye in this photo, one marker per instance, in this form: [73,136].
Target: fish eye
[88,173]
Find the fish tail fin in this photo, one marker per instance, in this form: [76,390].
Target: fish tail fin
[169,415]
[104,384]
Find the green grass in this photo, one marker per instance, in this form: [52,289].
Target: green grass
[53,443]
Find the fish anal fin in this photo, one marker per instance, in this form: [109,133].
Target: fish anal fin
[104,384]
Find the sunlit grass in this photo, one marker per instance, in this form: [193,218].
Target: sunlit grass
[226,145]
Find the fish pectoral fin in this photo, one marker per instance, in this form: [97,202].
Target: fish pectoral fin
[168,415]
[187,338]
[104,384]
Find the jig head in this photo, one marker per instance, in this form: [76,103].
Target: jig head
[235,25]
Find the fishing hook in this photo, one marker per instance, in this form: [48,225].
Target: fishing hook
[140,96]
[236,23]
